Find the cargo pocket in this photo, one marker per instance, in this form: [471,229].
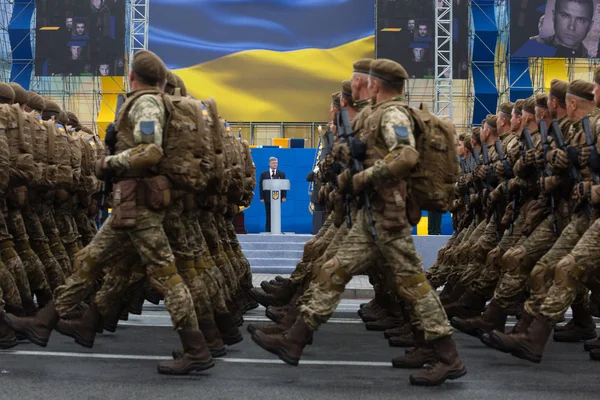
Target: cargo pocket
[394,210]
[125,204]
[158,193]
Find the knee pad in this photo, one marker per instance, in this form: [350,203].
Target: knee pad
[414,288]
[332,275]
[567,273]
[493,256]
[513,259]
[84,264]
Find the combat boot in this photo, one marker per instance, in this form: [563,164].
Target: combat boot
[43,297]
[196,356]
[406,340]
[213,340]
[287,346]
[494,318]
[276,314]
[286,322]
[469,305]
[112,321]
[17,311]
[136,298]
[447,365]
[581,327]
[279,298]
[505,342]
[415,357]
[152,295]
[595,354]
[230,334]
[274,329]
[37,329]
[388,322]
[398,331]
[84,329]
[274,286]
[8,340]
[451,295]
[530,345]
[593,344]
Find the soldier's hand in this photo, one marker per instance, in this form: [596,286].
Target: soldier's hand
[474,199]
[548,184]
[481,172]
[582,191]
[514,185]
[359,181]
[495,196]
[469,178]
[558,160]
[540,161]
[595,195]
[529,159]
[102,167]
[584,156]
[462,184]
[343,179]
[500,170]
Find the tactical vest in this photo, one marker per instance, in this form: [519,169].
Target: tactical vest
[217,167]
[88,183]
[23,169]
[76,155]
[4,160]
[234,164]
[59,153]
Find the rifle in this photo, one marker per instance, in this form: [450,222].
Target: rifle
[463,167]
[546,172]
[508,174]
[357,164]
[490,183]
[110,140]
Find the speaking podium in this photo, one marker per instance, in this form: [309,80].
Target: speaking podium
[276,186]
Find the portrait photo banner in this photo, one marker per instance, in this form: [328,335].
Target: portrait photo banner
[406,34]
[555,28]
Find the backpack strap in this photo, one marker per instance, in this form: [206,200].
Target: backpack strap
[51,142]
[21,128]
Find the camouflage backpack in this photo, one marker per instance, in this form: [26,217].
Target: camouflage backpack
[23,169]
[234,164]
[217,167]
[4,161]
[59,153]
[431,184]
[88,183]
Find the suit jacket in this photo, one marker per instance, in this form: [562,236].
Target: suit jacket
[266,194]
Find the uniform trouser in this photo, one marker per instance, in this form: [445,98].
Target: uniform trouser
[148,240]
[398,252]
[211,234]
[67,227]
[184,258]
[227,252]
[573,271]
[478,253]
[44,208]
[459,258]
[85,226]
[543,272]
[436,273]
[116,281]
[245,273]
[486,282]
[518,261]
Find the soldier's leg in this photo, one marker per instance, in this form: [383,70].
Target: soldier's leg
[7,336]
[44,209]
[84,227]
[10,292]
[66,225]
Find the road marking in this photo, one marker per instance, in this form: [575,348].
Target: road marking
[161,358]
[165,320]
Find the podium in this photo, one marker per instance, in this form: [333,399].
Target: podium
[276,186]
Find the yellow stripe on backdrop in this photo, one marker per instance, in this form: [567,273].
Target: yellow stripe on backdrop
[554,68]
[112,86]
[271,86]
[423,226]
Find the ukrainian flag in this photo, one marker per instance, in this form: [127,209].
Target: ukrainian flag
[263,60]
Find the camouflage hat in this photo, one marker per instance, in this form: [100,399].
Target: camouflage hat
[519,106]
[35,101]
[335,98]
[581,88]
[529,105]
[597,76]
[63,118]
[52,107]
[6,92]
[475,134]
[346,88]
[171,81]
[21,95]
[506,107]
[541,100]
[388,70]
[73,120]
[363,65]
[466,139]
[149,67]
[181,85]
[558,89]
[491,120]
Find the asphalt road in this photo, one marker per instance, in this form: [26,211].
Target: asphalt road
[345,362]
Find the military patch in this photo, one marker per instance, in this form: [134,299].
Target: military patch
[401,130]
[91,142]
[147,127]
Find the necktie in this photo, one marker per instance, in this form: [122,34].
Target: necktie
[272,174]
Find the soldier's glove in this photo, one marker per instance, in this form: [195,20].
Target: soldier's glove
[360,181]
[145,156]
[514,185]
[558,160]
[102,167]
[582,191]
[495,196]
[343,180]
[462,184]
[540,161]
[584,156]
[481,172]
[595,195]
[469,178]
[500,170]
[529,159]
[474,199]
[548,184]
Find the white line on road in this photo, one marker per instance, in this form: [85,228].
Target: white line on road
[160,358]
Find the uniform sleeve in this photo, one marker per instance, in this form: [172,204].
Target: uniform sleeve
[147,118]
[397,128]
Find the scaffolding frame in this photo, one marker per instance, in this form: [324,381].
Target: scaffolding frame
[443,58]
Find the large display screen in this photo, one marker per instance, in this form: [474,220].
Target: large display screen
[405,32]
[555,28]
[80,38]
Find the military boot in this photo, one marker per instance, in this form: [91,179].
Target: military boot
[494,318]
[505,342]
[288,346]
[592,344]
[152,295]
[279,298]
[595,354]
[276,314]
[469,305]
[43,297]
[581,327]
[135,298]
[285,323]
[84,329]
[398,331]
[447,365]
[388,322]
[8,340]
[452,295]
[230,334]
[274,286]
[530,345]
[196,356]
[406,340]
[37,329]
[213,340]
[415,357]
[111,321]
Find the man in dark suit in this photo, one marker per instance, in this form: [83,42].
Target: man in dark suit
[265,195]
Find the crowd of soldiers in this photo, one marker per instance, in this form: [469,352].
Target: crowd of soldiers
[178,175]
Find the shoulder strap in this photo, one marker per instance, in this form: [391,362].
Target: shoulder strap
[21,127]
[51,141]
